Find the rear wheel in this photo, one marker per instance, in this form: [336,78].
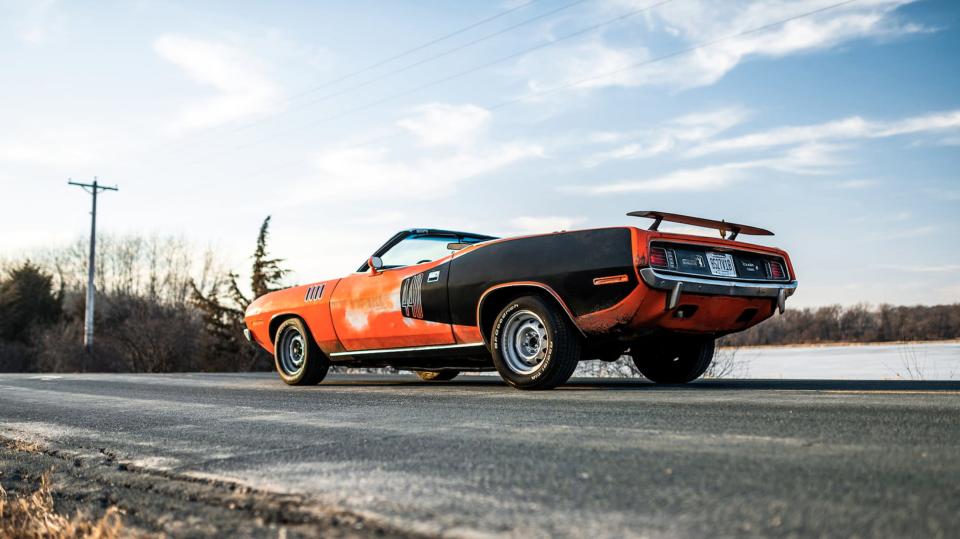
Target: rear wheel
[298,359]
[534,344]
[437,376]
[675,361]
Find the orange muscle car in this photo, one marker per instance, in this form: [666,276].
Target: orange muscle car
[439,302]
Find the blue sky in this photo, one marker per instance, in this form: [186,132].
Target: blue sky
[839,130]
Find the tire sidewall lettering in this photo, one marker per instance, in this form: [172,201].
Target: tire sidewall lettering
[503,317]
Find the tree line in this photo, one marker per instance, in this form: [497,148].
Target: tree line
[158,310]
[854,324]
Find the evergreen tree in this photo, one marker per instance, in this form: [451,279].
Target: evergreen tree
[267,275]
[223,304]
[27,300]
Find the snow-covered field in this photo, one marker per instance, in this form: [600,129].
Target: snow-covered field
[909,361]
[900,361]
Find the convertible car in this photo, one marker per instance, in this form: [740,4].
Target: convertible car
[439,302]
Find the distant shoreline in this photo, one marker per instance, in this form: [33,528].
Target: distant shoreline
[840,343]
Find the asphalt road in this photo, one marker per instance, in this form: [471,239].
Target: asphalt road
[594,458]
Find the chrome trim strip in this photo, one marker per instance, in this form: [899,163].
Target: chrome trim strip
[718,287]
[410,349]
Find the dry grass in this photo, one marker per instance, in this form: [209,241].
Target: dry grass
[26,447]
[34,517]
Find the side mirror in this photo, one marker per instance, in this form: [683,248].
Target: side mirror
[375,264]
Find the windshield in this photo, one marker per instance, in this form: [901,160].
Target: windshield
[417,250]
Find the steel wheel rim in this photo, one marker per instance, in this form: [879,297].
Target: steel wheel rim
[524,342]
[293,352]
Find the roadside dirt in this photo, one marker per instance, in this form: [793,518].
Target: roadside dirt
[157,504]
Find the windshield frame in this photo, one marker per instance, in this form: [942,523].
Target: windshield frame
[454,236]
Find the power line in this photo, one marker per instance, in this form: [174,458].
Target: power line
[414,49]
[457,75]
[94,189]
[667,56]
[679,52]
[381,62]
[410,66]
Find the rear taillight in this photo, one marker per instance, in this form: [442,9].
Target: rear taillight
[776,271]
[658,257]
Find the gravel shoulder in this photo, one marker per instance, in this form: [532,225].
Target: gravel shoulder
[155,504]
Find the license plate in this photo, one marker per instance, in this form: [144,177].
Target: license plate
[721,264]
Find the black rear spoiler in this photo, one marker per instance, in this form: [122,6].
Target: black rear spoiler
[724,227]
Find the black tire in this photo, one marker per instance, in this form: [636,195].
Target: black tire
[437,376]
[675,361]
[293,342]
[557,344]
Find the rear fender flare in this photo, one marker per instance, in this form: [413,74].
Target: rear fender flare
[522,284]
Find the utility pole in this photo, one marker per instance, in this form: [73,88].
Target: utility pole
[94,189]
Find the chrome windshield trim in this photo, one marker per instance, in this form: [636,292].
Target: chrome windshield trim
[717,287]
[409,349]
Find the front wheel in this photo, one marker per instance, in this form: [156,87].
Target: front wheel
[437,376]
[298,359]
[534,344]
[676,361]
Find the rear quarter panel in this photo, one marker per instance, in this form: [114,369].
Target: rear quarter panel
[566,262]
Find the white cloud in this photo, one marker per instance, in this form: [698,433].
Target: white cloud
[244,89]
[455,151]
[589,62]
[687,229]
[683,130]
[942,268]
[846,129]
[46,153]
[707,178]
[599,64]
[368,173]
[915,232]
[854,184]
[62,145]
[808,159]
[38,20]
[442,124]
[541,224]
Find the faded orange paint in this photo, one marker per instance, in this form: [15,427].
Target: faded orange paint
[715,314]
[366,314]
[467,334]
[291,302]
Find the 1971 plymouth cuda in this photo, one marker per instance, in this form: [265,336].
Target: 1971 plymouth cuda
[440,302]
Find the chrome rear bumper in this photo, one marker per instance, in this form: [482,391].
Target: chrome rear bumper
[678,284]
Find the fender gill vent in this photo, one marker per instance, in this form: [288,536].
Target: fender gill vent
[314,293]
[411,297]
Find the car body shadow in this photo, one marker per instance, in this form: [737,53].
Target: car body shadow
[878,386]
[639,384]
